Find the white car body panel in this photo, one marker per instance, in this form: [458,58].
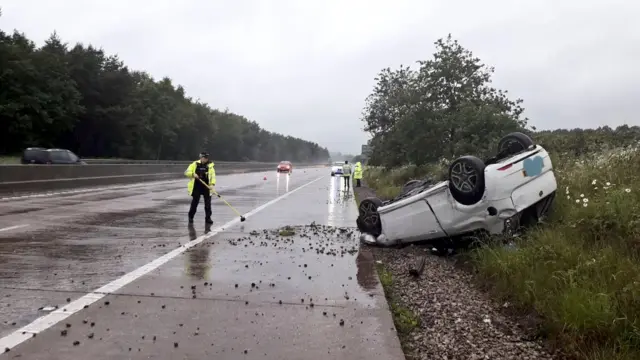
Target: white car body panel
[435,214]
[337,168]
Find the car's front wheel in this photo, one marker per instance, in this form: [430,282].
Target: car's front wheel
[368,218]
[466,179]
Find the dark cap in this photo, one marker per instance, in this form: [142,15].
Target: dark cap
[204,154]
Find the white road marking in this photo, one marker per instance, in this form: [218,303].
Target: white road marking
[82,178]
[94,189]
[89,189]
[13,227]
[41,324]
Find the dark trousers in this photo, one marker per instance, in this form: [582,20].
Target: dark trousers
[346,181]
[357,182]
[195,200]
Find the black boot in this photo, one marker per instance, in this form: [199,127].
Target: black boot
[208,220]
[190,220]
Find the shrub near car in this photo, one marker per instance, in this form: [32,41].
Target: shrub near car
[285,167]
[512,189]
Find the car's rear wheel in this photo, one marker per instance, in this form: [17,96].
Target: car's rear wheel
[514,143]
[466,179]
[368,219]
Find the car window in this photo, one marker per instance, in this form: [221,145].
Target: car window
[59,156]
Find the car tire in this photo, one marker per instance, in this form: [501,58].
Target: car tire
[368,218]
[466,179]
[514,143]
[332,174]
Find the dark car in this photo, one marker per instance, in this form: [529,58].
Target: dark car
[36,155]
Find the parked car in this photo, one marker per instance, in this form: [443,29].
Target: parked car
[285,167]
[514,188]
[336,169]
[38,155]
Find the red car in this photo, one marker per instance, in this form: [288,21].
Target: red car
[285,167]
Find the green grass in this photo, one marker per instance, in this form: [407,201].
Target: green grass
[388,182]
[9,160]
[580,272]
[287,231]
[404,319]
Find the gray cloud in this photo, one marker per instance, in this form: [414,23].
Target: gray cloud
[304,68]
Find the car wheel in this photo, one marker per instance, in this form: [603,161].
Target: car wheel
[368,219]
[332,174]
[514,143]
[466,179]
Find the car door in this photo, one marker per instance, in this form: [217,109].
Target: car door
[411,219]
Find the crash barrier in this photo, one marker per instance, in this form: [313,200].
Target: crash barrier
[164,162]
[17,179]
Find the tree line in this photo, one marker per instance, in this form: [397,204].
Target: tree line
[447,108]
[81,99]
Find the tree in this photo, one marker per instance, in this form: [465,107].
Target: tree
[444,109]
[84,100]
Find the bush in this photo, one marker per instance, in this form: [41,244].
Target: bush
[388,182]
[581,271]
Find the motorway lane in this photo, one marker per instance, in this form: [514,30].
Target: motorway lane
[70,244]
[189,307]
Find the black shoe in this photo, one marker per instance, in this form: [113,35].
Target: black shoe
[208,221]
[190,220]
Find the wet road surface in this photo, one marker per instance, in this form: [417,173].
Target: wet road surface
[246,291]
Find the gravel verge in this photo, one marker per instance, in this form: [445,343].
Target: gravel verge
[455,318]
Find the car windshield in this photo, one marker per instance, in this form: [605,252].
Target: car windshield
[338,163]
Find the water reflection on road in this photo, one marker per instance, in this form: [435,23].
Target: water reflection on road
[340,203]
[198,264]
[285,180]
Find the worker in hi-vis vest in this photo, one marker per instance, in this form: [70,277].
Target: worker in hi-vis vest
[201,169]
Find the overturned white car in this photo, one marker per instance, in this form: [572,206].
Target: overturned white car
[515,188]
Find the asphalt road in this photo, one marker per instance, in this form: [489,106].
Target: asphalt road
[117,273]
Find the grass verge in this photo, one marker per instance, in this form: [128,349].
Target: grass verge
[404,319]
[580,272]
[9,160]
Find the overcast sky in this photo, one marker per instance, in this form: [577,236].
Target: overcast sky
[304,67]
